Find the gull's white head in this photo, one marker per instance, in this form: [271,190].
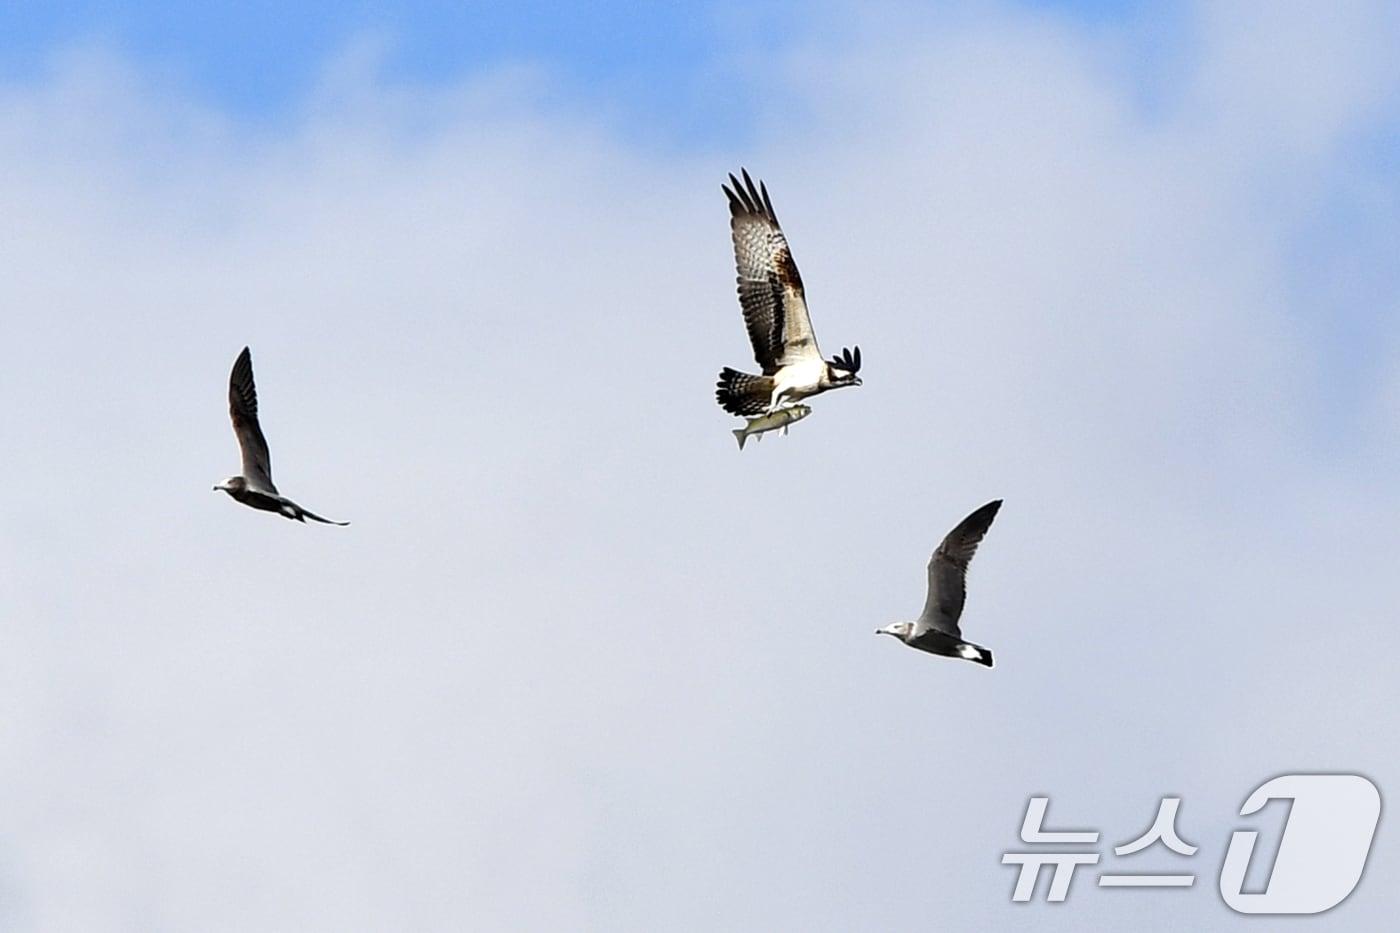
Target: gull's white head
[231,485]
[900,630]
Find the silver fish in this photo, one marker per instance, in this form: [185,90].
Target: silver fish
[772,421]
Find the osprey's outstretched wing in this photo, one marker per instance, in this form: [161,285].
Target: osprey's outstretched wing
[947,572]
[243,409]
[770,289]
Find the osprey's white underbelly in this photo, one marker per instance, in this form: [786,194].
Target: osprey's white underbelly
[798,380]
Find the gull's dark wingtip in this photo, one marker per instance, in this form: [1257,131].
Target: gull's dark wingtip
[987,512]
[242,367]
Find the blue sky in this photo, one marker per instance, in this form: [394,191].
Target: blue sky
[660,65]
[256,58]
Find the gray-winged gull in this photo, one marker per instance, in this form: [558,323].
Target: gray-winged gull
[254,488]
[936,631]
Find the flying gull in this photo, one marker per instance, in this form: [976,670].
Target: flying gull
[936,631]
[254,487]
[775,313]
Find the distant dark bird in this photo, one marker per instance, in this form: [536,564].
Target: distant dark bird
[254,487]
[936,631]
[775,312]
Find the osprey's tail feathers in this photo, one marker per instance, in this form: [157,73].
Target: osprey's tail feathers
[742,394]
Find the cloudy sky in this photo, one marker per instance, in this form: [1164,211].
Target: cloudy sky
[579,664]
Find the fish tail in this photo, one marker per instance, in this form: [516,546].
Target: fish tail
[741,435]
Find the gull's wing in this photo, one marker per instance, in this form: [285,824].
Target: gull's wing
[770,288]
[947,572]
[243,409]
[301,514]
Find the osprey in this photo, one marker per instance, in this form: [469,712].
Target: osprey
[936,631]
[775,313]
[254,488]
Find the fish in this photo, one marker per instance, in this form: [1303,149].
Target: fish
[772,421]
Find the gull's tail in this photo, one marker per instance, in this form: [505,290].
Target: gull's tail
[975,653]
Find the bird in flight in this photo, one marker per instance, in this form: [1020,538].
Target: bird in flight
[254,488]
[936,631]
[775,313]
